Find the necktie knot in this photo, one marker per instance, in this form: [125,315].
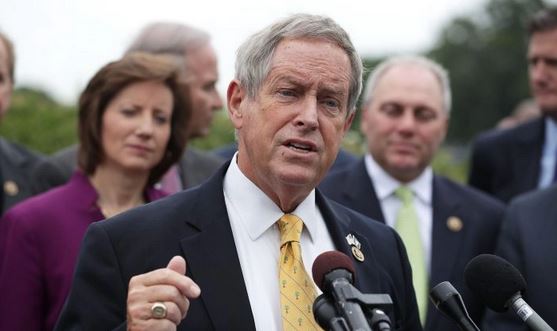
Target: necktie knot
[405,195]
[290,227]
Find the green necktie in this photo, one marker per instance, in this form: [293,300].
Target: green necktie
[407,226]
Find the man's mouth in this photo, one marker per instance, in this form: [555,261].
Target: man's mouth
[302,147]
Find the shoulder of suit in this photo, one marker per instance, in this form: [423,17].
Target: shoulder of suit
[165,209]
[202,158]
[334,178]
[358,219]
[537,199]
[17,154]
[475,198]
[525,132]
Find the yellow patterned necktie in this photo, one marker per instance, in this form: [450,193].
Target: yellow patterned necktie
[409,231]
[297,291]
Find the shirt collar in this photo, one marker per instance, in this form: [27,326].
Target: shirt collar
[256,210]
[550,135]
[385,184]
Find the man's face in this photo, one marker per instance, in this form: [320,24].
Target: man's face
[201,66]
[542,59]
[6,84]
[405,122]
[290,133]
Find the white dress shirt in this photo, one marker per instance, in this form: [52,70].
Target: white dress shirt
[385,186]
[253,216]
[549,154]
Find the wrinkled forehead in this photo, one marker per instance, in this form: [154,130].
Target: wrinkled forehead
[310,61]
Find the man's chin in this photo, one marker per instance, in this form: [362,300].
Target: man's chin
[298,177]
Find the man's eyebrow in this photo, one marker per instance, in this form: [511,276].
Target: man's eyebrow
[290,79]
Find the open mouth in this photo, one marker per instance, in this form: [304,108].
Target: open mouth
[301,147]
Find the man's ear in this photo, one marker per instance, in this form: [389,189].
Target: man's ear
[236,96]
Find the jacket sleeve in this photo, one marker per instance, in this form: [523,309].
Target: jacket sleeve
[21,286]
[97,299]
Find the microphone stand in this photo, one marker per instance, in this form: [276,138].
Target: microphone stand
[373,307]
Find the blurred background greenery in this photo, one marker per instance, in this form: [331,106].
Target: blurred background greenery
[484,52]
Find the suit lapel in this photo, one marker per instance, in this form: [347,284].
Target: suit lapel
[445,243]
[363,197]
[213,261]
[339,226]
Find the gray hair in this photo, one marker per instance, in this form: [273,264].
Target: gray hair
[436,69]
[168,38]
[254,55]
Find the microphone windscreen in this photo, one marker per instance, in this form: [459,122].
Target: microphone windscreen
[327,262]
[494,280]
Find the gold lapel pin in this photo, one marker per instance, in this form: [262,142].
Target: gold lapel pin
[355,246]
[454,224]
[358,255]
[10,187]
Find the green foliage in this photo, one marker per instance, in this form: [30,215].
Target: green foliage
[485,55]
[38,122]
[222,133]
[451,162]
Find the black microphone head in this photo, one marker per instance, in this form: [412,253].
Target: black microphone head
[324,311]
[327,262]
[494,280]
[441,292]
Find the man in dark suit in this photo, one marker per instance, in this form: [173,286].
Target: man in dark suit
[510,162]
[293,99]
[16,162]
[527,241]
[528,237]
[192,47]
[405,117]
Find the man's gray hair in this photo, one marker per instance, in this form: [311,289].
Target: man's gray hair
[436,69]
[254,55]
[168,38]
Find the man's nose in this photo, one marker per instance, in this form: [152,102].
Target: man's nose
[308,114]
[407,120]
[217,101]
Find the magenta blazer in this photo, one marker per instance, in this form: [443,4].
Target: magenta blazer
[39,245]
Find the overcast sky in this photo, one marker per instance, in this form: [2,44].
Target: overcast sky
[60,44]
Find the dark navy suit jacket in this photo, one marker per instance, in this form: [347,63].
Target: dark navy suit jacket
[17,164]
[195,224]
[451,250]
[506,163]
[529,242]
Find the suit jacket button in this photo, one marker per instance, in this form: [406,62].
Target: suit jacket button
[10,187]
[454,224]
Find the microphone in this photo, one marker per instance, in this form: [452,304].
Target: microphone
[325,315]
[333,273]
[447,300]
[499,285]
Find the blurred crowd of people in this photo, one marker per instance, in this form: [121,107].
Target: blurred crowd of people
[137,115]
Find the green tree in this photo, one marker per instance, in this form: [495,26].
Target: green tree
[485,55]
[36,121]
